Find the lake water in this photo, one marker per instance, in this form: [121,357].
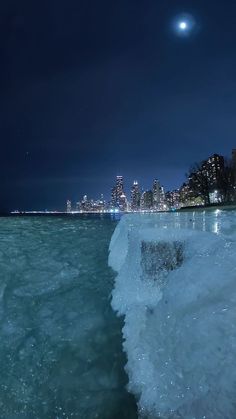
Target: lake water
[153,335]
[60,341]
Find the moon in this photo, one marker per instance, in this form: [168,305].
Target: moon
[184,25]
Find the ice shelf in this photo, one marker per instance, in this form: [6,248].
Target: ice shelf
[176,287]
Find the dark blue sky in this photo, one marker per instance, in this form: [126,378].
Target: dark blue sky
[91,89]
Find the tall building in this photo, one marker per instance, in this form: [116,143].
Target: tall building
[113,197]
[212,168]
[119,186]
[123,203]
[147,200]
[135,196]
[162,204]
[85,204]
[156,190]
[173,199]
[68,206]
[101,203]
[118,197]
[186,195]
[207,179]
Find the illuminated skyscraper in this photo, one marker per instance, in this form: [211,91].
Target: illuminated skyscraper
[123,204]
[156,190]
[162,205]
[147,200]
[118,198]
[207,179]
[119,186]
[85,204]
[212,169]
[135,196]
[173,199]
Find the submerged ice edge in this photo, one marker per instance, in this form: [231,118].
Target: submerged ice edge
[179,308]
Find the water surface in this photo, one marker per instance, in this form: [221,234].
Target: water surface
[60,342]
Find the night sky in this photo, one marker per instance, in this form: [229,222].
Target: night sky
[95,88]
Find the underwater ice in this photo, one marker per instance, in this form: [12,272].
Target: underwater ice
[176,287]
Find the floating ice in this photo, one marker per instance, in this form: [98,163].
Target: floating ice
[60,341]
[176,287]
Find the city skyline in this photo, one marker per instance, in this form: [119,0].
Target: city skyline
[128,192]
[94,89]
[210,181]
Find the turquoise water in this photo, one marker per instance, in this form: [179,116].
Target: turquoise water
[60,342]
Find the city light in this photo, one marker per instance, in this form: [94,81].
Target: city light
[156,199]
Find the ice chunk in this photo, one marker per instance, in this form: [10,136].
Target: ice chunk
[158,258]
[176,287]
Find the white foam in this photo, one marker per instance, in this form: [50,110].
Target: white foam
[176,287]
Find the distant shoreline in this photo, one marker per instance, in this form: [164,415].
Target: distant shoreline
[212,207]
[54,214]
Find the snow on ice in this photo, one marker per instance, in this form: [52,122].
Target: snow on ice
[176,287]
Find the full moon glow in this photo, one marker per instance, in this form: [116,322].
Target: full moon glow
[184,25]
